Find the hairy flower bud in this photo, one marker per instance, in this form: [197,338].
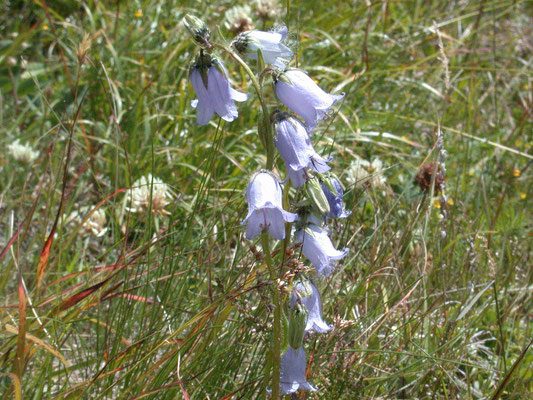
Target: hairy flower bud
[198,29]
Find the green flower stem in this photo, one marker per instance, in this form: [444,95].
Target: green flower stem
[269,141]
[276,331]
[265,128]
[288,225]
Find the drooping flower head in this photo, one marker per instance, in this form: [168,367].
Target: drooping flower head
[317,247]
[210,83]
[306,293]
[298,92]
[292,372]
[197,29]
[333,191]
[296,149]
[270,44]
[265,209]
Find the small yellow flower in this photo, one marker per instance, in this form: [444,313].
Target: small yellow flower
[45,27]
[138,14]
[516,172]
[450,202]
[440,217]
[436,203]
[523,196]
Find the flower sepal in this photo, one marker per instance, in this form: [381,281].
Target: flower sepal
[202,64]
[282,77]
[334,192]
[327,180]
[260,61]
[316,195]
[298,316]
[304,292]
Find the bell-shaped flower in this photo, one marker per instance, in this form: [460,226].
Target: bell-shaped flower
[292,372]
[270,44]
[265,210]
[307,294]
[210,83]
[296,149]
[334,197]
[296,90]
[317,247]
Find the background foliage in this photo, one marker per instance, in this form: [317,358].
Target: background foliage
[433,301]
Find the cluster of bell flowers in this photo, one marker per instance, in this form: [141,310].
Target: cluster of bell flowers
[306,169]
[265,212]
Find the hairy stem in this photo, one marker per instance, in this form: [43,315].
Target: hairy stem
[276,329]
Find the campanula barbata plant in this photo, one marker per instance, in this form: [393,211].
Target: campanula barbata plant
[271,208]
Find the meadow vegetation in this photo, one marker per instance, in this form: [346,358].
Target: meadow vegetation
[124,271]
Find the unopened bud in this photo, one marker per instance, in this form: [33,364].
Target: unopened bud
[198,29]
